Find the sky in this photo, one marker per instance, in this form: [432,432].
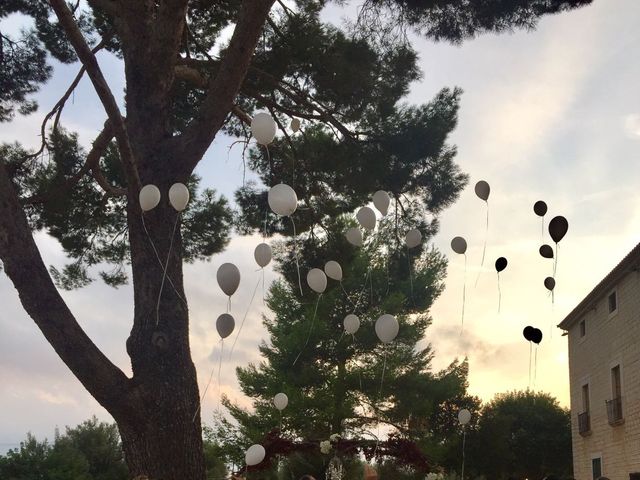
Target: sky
[552,114]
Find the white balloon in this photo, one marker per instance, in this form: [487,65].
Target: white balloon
[263,128]
[254,455]
[381,201]
[282,200]
[149,197]
[413,238]
[281,401]
[387,328]
[262,254]
[295,124]
[333,270]
[367,218]
[354,236]
[317,280]
[351,323]
[228,278]
[179,196]
[464,416]
[225,325]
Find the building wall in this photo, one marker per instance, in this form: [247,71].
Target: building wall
[609,339]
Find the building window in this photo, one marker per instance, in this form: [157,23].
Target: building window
[614,406]
[584,420]
[596,467]
[613,302]
[583,328]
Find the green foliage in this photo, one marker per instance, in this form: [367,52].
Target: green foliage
[90,451]
[23,60]
[521,435]
[335,382]
[92,226]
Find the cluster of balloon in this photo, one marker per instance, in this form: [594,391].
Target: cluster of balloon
[459,246]
[149,197]
[262,255]
[501,264]
[254,455]
[283,201]
[317,281]
[558,227]
[532,335]
[540,209]
[483,190]
[464,417]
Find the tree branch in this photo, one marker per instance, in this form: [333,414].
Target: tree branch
[24,266]
[225,86]
[91,164]
[88,59]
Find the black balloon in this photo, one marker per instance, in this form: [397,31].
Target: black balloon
[558,227]
[546,251]
[550,283]
[501,264]
[540,208]
[536,336]
[528,332]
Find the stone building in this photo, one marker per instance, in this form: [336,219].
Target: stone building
[604,370]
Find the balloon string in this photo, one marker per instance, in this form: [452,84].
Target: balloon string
[464,292]
[535,367]
[313,320]
[220,375]
[243,319]
[555,261]
[499,293]
[364,289]
[464,438]
[542,230]
[530,355]
[484,248]
[384,367]
[347,295]
[204,393]
[155,251]
[410,275]
[164,270]
[295,248]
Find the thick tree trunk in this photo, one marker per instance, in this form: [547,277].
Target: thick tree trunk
[165,440]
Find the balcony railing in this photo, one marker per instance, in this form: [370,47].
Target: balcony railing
[614,411]
[584,424]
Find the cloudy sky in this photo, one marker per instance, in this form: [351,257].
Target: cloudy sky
[552,114]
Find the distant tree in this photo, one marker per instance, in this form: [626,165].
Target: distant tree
[90,451]
[184,86]
[521,435]
[28,462]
